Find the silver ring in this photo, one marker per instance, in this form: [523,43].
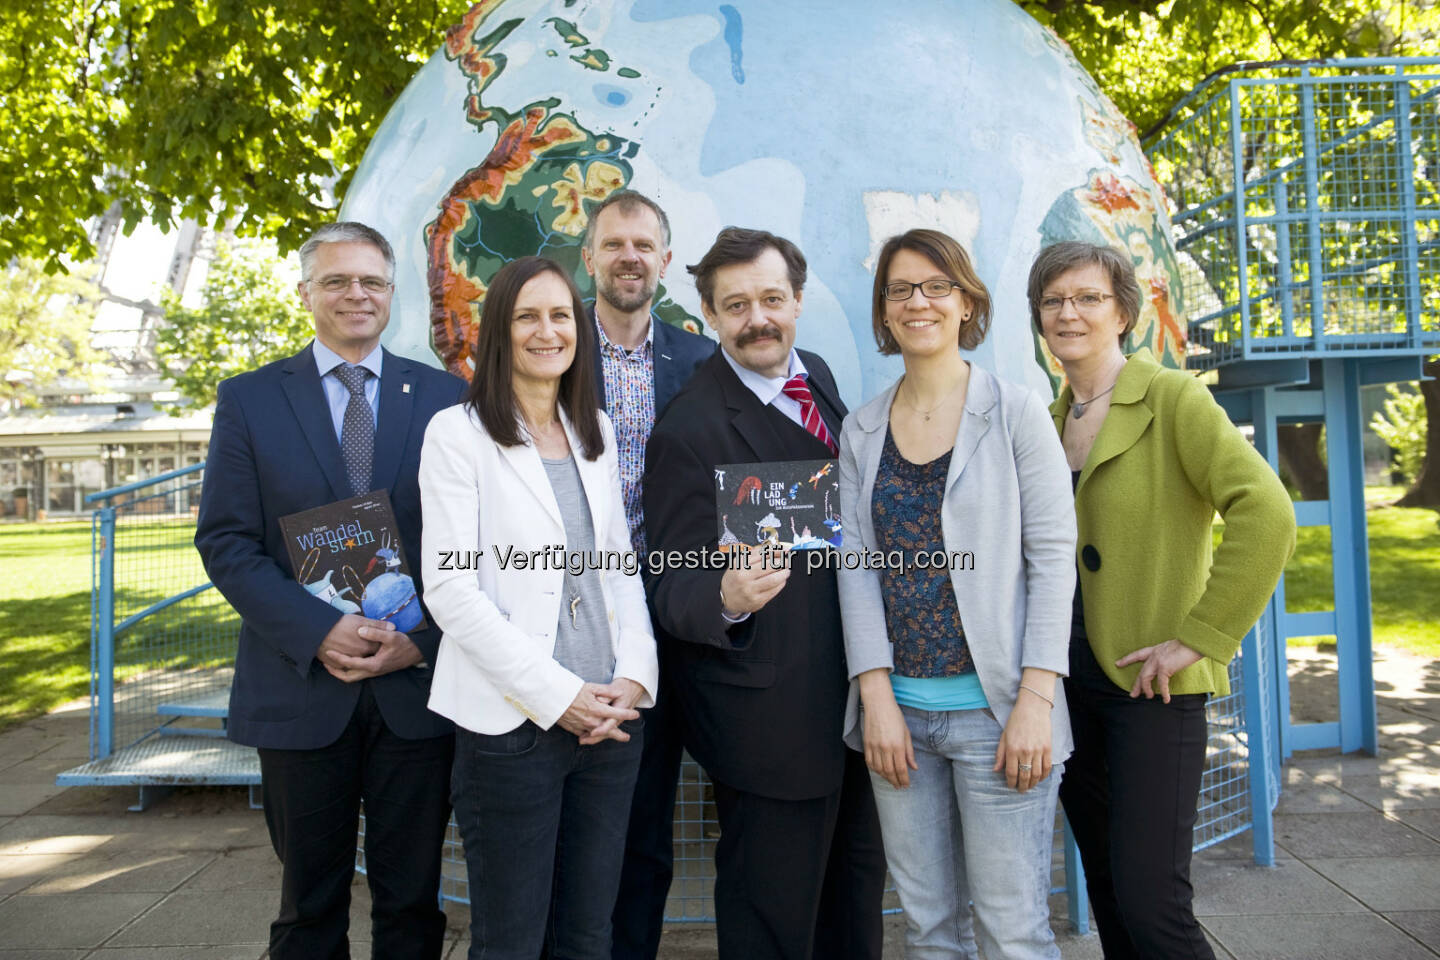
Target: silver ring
[1024,766]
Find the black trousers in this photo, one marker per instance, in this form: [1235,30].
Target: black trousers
[639,914]
[800,879]
[312,806]
[1130,791]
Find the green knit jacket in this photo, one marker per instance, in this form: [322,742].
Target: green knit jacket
[1166,460]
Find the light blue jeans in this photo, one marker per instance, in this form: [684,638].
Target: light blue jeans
[958,835]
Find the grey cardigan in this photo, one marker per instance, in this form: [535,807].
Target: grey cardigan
[1007,501]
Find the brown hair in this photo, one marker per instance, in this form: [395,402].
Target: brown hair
[741,245]
[945,252]
[1059,258]
[492,392]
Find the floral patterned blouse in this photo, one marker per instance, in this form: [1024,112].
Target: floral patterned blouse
[921,614]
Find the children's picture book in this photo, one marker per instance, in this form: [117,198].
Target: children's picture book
[788,503]
[348,554]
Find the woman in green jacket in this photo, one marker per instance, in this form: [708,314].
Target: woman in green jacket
[1156,616]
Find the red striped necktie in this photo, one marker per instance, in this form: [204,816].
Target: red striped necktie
[798,390]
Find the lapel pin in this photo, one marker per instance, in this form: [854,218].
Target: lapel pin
[405,388]
[665,355]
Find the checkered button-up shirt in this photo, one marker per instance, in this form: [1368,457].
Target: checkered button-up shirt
[630,398]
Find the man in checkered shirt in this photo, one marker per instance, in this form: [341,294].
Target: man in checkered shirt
[643,363]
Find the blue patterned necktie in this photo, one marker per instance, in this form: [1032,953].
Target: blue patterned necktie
[357,431]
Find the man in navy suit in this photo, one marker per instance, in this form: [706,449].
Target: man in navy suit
[642,362]
[334,701]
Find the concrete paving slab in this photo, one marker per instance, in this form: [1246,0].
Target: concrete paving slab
[39,834]
[1397,790]
[43,954]
[239,870]
[236,951]
[131,871]
[68,919]
[1386,883]
[1346,937]
[18,871]
[1306,795]
[1423,925]
[1234,888]
[1426,821]
[21,798]
[185,918]
[1307,835]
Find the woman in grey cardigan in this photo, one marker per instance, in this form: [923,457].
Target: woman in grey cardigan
[956,600]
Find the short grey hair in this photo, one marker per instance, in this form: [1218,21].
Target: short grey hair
[627,201]
[344,231]
[1068,255]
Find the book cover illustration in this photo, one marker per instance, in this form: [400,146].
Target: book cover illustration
[789,503]
[348,554]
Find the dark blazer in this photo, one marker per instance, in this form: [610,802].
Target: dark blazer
[273,451]
[763,699]
[677,354]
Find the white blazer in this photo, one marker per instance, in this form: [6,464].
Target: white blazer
[496,665]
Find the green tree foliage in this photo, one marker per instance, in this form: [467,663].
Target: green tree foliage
[220,110]
[45,323]
[1147,54]
[1402,426]
[256,114]
[250,315]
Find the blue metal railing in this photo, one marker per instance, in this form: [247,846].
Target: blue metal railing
[1305,210]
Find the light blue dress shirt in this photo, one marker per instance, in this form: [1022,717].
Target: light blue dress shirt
[768,389]
[337,395]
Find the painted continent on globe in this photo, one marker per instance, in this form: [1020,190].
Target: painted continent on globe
[835,123]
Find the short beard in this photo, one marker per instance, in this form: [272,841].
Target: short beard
[624,304]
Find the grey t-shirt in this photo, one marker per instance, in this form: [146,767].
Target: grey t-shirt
[582,643]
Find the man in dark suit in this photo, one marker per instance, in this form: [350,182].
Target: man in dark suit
[757,658]
[641,364]
[334,701]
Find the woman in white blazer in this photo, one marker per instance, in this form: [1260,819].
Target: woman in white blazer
[547,648]
[956,606]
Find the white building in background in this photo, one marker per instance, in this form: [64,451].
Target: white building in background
[83,439]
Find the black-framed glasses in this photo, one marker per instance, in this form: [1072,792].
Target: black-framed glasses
[341,284]
[934,289]
[1084,302]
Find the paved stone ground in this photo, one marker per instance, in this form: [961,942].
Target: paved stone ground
[1357,871]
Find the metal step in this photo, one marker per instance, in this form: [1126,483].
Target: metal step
[215,703]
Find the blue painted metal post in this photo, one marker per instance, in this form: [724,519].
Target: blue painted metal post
[102,683]
[1258,732]
[1314,242]
[1405,177]
[1237,180]
[1350,556]
[1077,897]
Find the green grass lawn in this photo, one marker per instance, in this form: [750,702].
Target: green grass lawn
[1404,574]
[45,598]
[45,608]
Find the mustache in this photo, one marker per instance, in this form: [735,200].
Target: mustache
[756,333]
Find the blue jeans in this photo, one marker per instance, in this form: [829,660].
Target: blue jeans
[959,834]
[543,820]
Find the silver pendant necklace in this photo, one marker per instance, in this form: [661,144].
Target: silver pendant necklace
[1078,407]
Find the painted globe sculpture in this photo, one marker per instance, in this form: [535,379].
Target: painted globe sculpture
[391,596]
[836,123]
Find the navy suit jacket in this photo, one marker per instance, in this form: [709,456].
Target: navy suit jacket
[273,451]
[678,354]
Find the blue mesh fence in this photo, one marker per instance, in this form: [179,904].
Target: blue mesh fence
[162,645]
[1306,210]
